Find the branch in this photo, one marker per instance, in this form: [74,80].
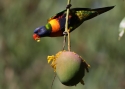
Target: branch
[67,15]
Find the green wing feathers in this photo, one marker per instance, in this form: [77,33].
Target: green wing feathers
[87,13]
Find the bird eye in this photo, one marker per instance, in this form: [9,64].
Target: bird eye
[37,30]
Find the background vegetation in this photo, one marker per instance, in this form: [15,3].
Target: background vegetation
[23,63]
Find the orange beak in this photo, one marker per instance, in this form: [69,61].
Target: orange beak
[36,37]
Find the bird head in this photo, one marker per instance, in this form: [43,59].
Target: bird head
[40,32]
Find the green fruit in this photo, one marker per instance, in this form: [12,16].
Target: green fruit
[70,68]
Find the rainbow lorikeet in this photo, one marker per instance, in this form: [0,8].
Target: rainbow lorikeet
[56,24]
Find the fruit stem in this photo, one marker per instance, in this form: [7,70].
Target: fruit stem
[66,26]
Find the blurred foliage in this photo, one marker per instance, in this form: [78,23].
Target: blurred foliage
[23,63]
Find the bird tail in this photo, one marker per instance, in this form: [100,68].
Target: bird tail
[102,10]
[89,13]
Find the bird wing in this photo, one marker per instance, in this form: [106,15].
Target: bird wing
[57,15]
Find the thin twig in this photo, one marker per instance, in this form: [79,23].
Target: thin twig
[53,80]
[66,25]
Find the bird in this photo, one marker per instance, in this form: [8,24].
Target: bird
[55,26]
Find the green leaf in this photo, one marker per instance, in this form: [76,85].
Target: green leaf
[121,28]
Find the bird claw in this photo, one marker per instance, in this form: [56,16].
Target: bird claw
[65,33]
[68,6]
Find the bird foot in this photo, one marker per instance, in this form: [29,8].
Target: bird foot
[65,33]
[68,6]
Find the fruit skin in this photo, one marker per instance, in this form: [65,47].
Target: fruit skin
[70,68]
